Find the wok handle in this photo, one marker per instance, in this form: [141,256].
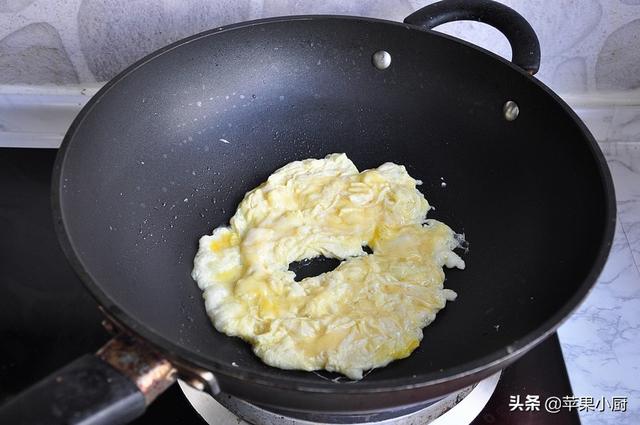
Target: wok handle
[524,43]
[113,386]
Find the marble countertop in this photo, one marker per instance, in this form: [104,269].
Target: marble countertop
[600,341]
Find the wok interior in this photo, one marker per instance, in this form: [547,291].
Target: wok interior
[146,174]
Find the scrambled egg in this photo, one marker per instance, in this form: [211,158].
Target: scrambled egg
[364,314]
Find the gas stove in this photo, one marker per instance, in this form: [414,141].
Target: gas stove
[47,319]
[457,408]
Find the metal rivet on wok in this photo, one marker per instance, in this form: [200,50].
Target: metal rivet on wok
[510,110]
[381,59]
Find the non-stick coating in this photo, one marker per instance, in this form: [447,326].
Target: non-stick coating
[164,154]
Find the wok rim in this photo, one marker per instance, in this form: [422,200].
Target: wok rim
[184,356]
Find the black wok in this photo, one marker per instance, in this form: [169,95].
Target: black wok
[145,170]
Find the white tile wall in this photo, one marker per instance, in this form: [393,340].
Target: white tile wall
[587,45]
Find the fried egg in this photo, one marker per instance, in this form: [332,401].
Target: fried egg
[364,314]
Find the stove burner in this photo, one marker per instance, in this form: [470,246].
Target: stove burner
[457,408]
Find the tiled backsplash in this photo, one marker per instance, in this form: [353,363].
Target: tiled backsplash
[587,45]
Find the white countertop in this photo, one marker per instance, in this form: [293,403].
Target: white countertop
[600,342]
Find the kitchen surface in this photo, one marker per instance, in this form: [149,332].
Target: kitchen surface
[51,65]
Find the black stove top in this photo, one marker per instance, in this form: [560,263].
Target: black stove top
[47,318]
